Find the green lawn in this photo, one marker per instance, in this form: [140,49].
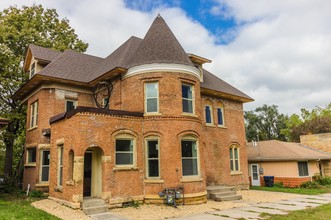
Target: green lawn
[294,190]
[15,206]
[322,212]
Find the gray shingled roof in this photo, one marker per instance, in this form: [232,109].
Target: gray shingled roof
[43,53]
[72,65]
[160,46]
[210,81]
[274,150]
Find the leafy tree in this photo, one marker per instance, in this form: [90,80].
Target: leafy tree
[20,27]
[316,121]
[265,123]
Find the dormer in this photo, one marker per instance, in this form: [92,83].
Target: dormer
[37,58]
[198,62]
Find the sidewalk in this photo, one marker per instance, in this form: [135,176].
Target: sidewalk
[255,210]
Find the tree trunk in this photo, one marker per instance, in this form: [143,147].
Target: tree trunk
[9,143]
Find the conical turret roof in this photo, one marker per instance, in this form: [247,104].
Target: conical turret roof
[160,46]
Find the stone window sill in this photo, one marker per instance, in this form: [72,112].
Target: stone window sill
[30,165]
[189,114]
[125,169]
[236,173]
[32,128]
[155,181]
[152,114]
[191,179]
[42,184]
[222,126]
[70,183]
[210,125]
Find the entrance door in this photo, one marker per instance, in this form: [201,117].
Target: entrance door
[87,173]
[255,175]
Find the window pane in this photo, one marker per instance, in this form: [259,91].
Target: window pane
[45,158]
[231,153]
[124,145]
[303,168]
[45,173]
[231,165]
[61,155]
[70,105]
[60,177]
[187,106]
[189,149]
[153,168]
[153,151]
[151,90]
[236,165]
[190,167]
[32,155]
[219,116]
[235,153]
[124,158]
[208,115]
[152,105]
[187,91]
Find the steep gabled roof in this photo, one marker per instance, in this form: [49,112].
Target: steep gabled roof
[274,150]
[71,65]
[160,46]
[212,82]
[43,53]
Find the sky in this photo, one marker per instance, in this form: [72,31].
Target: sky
[276,51]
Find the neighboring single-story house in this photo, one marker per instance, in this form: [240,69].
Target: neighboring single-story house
[146,118]
[289,163]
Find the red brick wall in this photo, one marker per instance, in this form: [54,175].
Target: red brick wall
[290,182]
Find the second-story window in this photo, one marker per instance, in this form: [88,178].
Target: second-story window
[208,113]
[32,69]
[151,97]
[70,105]
[34,114]
[187,98]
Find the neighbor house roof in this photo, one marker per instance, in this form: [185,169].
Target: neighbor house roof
[158,46]
[274,150]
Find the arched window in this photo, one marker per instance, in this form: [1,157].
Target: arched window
[71,165]
[125,150]
[209,112]
[190,156]
[234,158]
[220,115]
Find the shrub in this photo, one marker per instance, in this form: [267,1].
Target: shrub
[310,185]
[322,180]
[36,194]
[279,185]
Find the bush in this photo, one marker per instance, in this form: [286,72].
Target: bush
[36,194]
[325,181]
[279,185]
[310,185]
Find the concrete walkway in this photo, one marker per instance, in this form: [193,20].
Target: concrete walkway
[254,211]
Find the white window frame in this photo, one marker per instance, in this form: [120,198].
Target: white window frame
[34,114]
[41,165]
[157,97]
[148,159]
[60,165]
[71,100]
[222,110]
[193,98]
[307,168]
[134,153]
[33,67]
[233,160]
[211,115]
[28,155]
[189,138]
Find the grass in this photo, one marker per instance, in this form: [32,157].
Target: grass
[321,212]
[15,205]
[293,190]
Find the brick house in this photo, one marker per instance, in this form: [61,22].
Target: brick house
[127,126]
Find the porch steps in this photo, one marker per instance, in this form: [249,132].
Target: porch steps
[93,206]
[222,193]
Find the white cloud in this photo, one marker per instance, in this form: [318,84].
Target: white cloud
[281,52]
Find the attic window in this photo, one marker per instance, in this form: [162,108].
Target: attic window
[32,69]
